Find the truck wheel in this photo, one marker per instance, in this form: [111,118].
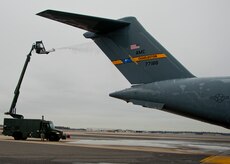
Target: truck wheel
[57,138]
[54,137]
[17,135]
[24,138]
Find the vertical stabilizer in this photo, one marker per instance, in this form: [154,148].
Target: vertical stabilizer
[135,53]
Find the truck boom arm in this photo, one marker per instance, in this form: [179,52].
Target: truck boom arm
[12,110]
[40,49]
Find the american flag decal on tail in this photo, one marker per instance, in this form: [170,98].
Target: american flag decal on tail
[134,46]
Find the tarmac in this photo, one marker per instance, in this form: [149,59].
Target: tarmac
[101,147]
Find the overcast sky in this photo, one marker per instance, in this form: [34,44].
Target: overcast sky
[71,86]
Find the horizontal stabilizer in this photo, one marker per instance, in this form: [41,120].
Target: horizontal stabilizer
[89,23]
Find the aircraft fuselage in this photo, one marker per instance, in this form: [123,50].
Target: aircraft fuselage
[204,99]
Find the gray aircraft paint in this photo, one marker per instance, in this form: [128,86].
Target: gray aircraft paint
[135,63]
[163,83]
[204,99]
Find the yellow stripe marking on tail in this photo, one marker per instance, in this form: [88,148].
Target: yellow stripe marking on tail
[133,60]
[149,57]
[138,59]
[117,62]
[219,159]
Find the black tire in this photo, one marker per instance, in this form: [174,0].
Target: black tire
[54,137]
[57,139]
[17,135]
[24,138]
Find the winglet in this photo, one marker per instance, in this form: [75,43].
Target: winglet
[89,23]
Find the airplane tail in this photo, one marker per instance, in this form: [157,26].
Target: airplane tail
[135,53]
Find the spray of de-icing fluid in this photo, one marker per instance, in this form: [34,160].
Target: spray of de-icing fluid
[88,47]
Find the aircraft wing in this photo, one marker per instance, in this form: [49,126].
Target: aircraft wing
[88,23]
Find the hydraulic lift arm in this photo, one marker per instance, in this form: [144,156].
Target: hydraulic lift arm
[40,49]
